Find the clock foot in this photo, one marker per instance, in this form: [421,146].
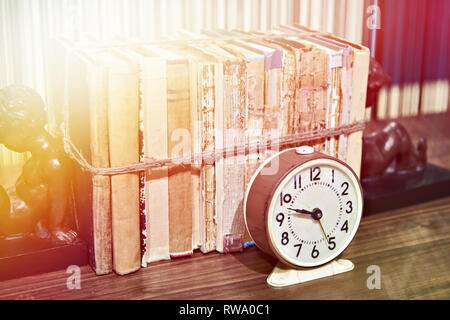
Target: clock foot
[283,275]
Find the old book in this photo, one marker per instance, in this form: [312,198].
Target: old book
[355,74]
[86,122]
[196,147]
[358,65]
[253,128]
[195,143]
[321,87]
[273,77]
[206,70]
[291,69]
[101,185]
[229,133]
[254,108]
[178,144]
[359,75]
[153,105]
[123,125]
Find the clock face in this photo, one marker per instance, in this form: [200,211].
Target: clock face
[314,213]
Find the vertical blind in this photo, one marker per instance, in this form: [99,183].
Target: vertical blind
[27,25]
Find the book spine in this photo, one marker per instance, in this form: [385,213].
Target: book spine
[255,118]
[288,91]
[232,222]
[334,103]
[273,117]
[154,100]
[123,117]
[77,127]
[179,143]
[208,100]
[322,88]
[196,148]
[219,144]
[101,192]
[304,96]
[358,102]
[346,89]
[255,110]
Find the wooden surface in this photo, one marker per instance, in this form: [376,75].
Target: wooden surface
[410,245]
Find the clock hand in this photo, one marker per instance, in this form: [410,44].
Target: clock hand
[303,211]
[323,230]
[317,215]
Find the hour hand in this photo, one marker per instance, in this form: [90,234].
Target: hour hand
[316,214]
[301,211]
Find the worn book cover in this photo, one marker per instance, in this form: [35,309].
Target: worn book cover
[86,123]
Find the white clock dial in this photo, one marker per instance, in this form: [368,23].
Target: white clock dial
[314,213]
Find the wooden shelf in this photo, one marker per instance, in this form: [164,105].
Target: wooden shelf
[410,245]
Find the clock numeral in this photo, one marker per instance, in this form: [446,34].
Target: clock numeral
[350,208]
[299,248]
[285,198]
[314,252]
[315,170]
[332,176]
[345,226]
[284,238]
[280,218]
[297,182]
[331,243]
[345,186]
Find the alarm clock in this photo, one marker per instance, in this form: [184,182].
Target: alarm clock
[304,208]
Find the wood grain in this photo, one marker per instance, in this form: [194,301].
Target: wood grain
[410,245]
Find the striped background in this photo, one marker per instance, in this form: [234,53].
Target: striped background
[26,26]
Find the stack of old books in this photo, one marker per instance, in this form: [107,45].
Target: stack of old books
[135,102]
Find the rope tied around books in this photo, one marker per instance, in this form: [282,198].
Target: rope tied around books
[210,157]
